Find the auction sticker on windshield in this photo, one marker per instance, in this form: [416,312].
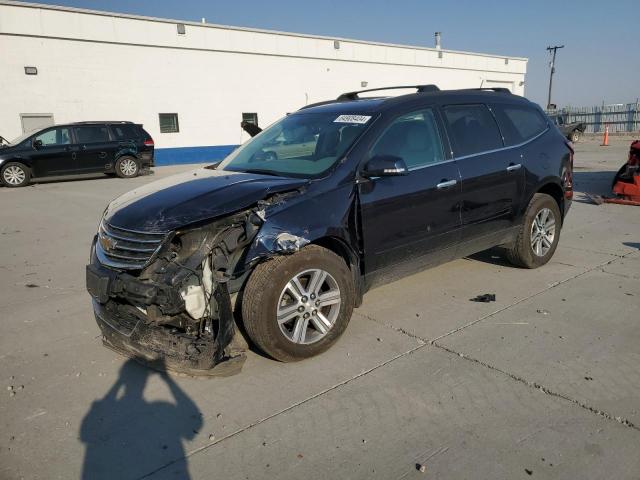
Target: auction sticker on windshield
[352,119]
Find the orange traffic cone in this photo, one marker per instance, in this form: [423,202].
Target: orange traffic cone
[605,140]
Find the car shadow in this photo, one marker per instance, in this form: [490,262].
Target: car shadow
[598,183]
[493,256]
[126,436]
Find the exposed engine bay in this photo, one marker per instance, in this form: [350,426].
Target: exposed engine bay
[177,311]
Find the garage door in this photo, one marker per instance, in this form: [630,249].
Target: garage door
[35,121]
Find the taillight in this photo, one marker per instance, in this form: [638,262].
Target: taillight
[567,179]
[148,142]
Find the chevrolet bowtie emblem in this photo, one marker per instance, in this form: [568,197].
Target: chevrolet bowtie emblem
[107,243]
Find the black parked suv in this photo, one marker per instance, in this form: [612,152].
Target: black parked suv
[121,148]
[309,214]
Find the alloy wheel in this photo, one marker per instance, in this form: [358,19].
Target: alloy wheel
[14,175]
[128,167]
[543,232]
[308,306]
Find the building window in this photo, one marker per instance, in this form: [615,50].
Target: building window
[181,29]
[250,118]
[168,122]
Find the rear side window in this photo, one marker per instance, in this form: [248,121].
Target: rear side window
[126,132]
[473,129]
[414,138]
[92,134]
[519,123]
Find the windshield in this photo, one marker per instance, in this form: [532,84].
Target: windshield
[299,145]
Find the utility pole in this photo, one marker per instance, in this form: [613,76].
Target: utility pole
[553,69]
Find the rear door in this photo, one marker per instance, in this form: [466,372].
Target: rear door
[95,148]
[492,175]
[54,155]
[405,218]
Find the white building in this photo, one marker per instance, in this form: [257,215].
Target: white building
[104,66]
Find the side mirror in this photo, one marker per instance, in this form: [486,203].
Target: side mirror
[37,144]
[385,166]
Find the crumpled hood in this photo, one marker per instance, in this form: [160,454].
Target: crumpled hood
[190,197]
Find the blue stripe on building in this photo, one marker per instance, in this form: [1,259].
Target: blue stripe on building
[185,155]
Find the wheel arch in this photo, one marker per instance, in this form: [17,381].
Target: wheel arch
[341,248]
[555,191]
[24,161]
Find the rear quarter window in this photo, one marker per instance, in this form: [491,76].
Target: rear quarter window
[473,129]
[126,132]
[519,123]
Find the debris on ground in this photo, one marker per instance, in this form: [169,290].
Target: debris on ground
[212,437]
[542,311]
[421,467]
[484,298]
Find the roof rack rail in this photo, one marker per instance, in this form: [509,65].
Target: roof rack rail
[495,89]
[420,89]
[103,121]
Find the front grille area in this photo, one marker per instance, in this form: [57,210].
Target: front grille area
[126,249]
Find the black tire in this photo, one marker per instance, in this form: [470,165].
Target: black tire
[521,252]
[16,167]
[262,294]
[574,136]
[127,167]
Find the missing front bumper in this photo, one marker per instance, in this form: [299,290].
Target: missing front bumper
[163,349]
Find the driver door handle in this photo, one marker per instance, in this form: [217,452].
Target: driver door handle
[446,184]
[512,168]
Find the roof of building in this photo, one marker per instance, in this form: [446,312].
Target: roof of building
[245,29]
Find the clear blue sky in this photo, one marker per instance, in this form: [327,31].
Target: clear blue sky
[600,61]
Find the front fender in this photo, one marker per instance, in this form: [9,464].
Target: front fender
[327,214]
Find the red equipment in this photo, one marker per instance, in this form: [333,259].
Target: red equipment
[626,183]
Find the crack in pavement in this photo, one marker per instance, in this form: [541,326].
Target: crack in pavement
[542,388]
[284,410]
[513,376]
[423,342]
[544,290]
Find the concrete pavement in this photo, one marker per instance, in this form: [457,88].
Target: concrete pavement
[542,383]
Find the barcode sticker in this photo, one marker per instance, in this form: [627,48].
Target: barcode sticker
[352,119]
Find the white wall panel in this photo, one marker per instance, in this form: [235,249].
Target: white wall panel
[95,66]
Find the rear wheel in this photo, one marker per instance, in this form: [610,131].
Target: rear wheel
[539,233]
[127,167]
[15,174]
[574,136]
[297,306]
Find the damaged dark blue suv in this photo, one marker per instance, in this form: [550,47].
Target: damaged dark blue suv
[297,224]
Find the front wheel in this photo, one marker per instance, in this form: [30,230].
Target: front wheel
[127,167]
[297,306]
[15,174]
[539,233]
